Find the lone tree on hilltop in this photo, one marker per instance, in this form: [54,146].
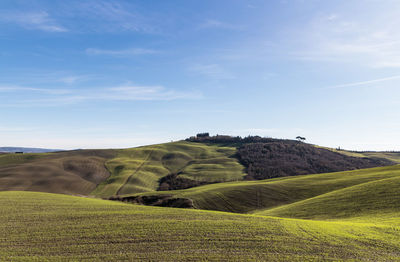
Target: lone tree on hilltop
[300,138]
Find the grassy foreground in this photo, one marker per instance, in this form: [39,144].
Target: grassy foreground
[50,227]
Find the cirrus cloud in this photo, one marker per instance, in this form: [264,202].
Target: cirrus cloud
[32,20]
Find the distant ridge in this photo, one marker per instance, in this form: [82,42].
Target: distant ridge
[26,150]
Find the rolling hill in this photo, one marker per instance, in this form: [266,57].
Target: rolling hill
[187,164]
[251,196]
[70,172]
[173,166]
[53,227]
[372,200]
[298,216]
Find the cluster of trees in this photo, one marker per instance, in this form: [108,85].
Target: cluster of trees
[203,135]
[156,200]
[232,140]
[224,139]
[175,182]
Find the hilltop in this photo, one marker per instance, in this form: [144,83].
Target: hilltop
[178,165]
[269,157]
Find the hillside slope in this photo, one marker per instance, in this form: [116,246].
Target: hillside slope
[50,227]
[279,159]
[366,201]
[391,155]
[112,172]
[172,166]
[250,196]
[70,172]
[165,166]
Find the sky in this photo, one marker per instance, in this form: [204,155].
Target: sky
[118,74]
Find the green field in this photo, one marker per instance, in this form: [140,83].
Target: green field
[351,215]
[378,199]
[50,227]
[392,156]
[105,173]
[250,196]
[140,169]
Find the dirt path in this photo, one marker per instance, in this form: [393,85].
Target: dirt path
[136,171]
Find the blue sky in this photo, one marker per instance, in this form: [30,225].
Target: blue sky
[104,74]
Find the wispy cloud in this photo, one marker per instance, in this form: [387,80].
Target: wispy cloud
[362,83]
[57,97]
[214,71]
[35,76]
[113,16]
[356,39]
[144,93]
[213,23]
[13,89]
[32,20]
[121,52]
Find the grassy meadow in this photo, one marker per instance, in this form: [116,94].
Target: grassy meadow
[139,169]
[52,227]
[251,196]
[105,173]
[350,215]
[392,156]
[71,172]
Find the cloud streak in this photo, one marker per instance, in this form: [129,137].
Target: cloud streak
[56,97]
[32,21]
[112,16]
[13,89]
[145,93]
[356,39]
[362,83]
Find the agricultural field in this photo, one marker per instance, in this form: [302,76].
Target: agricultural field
[172,166]
[392,156]
[250,196]
[169,130]
[53,227]
[70,172]
[346,215]
[140,169]
[105,173]
[349,215]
